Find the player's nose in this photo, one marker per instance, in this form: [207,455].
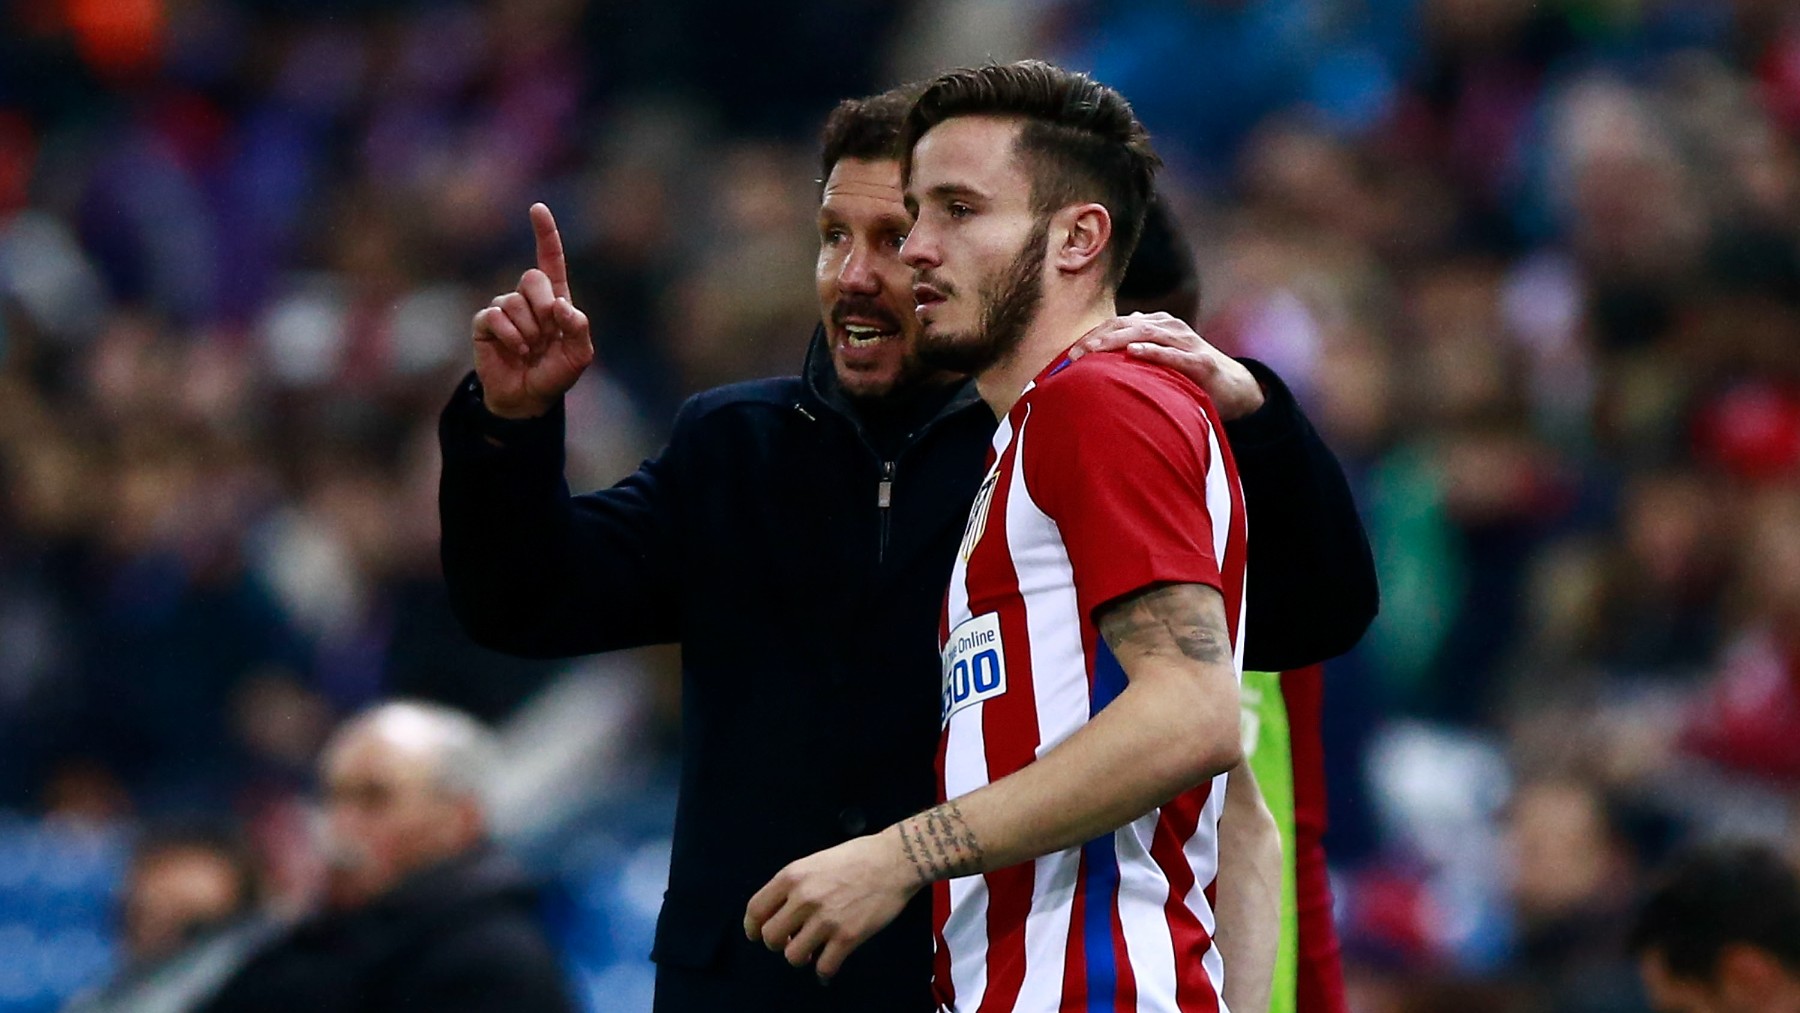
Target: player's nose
[920,249]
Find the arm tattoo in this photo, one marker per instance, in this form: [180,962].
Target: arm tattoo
[940,845]
[1176,618]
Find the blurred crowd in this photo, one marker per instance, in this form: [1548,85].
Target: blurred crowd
[1533,268]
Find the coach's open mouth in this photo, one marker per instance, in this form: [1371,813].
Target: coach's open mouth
[867,335]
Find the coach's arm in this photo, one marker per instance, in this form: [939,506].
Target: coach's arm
[532,570]
[1174,726]
[1312,574]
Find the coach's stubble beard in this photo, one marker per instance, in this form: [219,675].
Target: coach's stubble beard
[1009,301]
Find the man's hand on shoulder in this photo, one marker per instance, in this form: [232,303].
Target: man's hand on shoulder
[532,344]
[1168,341]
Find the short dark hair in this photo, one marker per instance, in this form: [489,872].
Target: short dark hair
[865,128]
[1715,896]
[1080,142]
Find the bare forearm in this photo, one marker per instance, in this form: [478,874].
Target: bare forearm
[1156,740]
[1249,893]
[1174,726]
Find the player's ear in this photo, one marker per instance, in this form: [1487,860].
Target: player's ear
[1079,236]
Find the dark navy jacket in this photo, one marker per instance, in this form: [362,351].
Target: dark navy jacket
[802,572]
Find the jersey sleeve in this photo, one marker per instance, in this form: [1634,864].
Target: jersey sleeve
[1117,454]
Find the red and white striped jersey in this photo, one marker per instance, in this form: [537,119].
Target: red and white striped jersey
[1110,475]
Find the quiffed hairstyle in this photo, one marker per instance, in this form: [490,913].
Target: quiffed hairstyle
[1080,142]
[865,128]
[1714,897]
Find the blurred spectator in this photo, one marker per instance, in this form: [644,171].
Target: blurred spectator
[182,883]
[1571,874]
[1720,933]
[419,909]
[189,919]
[1748,716]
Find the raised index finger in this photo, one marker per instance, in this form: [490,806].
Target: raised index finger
[550,249]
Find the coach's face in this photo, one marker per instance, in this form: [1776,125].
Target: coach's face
[976,247]
[865,292]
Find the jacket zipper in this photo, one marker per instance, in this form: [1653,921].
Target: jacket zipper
[884,498]
[884,491]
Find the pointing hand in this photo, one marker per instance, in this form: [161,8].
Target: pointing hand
[532,344]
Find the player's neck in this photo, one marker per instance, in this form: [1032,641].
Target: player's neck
[1050,334]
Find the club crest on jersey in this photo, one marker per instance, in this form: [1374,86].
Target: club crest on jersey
[974,664]
[978,513]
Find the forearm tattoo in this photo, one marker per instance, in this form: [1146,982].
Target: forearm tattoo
[940,845]
[1176,618]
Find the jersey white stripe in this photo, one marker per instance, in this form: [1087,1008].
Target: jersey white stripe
[1053,622]
[965,933]
[966,769]
[1047,929]
[1052,611]
[1202,850]
[1218,507]
[1143,894]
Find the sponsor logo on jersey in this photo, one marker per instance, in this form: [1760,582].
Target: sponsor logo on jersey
[974,664]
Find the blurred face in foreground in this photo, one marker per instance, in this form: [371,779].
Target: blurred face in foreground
[1747,980]
[388,813]
[1669,994]
[175,893]
[977,248]
[865,292]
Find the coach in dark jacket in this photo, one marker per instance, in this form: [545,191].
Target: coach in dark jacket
[795,537]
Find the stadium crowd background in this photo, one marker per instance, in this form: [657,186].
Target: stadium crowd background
[1534,269]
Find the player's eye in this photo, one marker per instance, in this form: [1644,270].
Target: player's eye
[897,240]
[960,210]
[833,236]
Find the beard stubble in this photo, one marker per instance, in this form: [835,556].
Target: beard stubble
[1009,303]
